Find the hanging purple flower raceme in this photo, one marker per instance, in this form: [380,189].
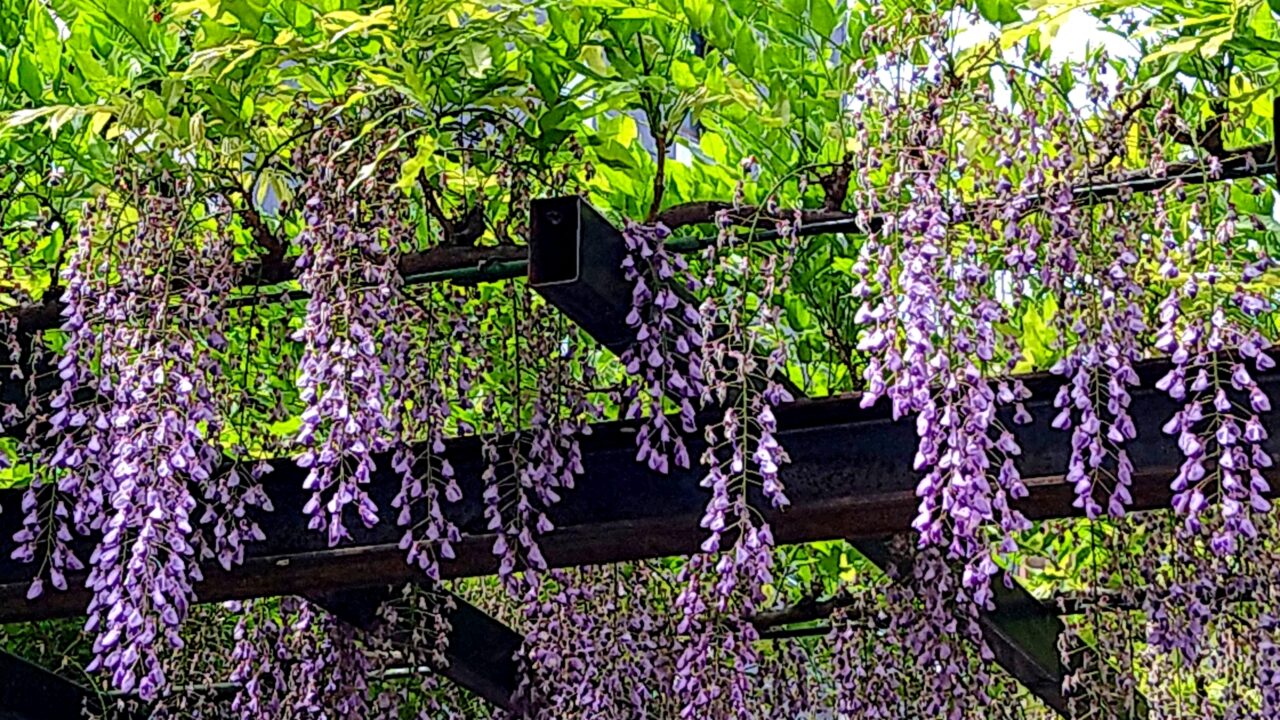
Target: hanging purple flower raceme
[258,661]
[967,455]
[10,372]
[527,470]
[913,649]
[598,644]
[1208,617]
[960,683]
[231,502]
[498,476]
[644,654]
[423,342]
[930,299]
[233,496]
[909,311]
[1106,317]
[331,671]
[347,266]
[786,688]
[717,644]
[296,661]
[559,675]
[65,494]
[417,391]
[412,633]
[723,587]
[665,360]
[870,668]
[1267,638]
[158,416]
[1208,325]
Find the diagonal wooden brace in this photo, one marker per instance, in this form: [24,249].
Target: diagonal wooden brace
[481,651]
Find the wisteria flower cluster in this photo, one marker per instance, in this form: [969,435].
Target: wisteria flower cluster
[418,389]
[347,266]
[925,285]
[666,358]
[527,470]
[1208,329]
[911,650]
[962,275]
[148,425]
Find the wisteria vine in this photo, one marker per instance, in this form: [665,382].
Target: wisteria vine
[141,471]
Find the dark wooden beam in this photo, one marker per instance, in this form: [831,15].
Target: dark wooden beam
[30,692]
[851,477]
[1023,635]
[481,651]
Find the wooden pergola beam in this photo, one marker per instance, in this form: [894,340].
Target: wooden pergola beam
[30,692]
[481,651]
[851,476]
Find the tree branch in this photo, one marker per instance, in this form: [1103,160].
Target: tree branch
[835,185]
[262,235]
[461,231]
[660,176]
[47,314]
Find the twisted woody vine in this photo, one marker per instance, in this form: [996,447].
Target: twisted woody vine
[256,244]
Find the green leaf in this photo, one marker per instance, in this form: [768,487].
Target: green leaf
[682,77]
[638,13]
[565,25]
[594,57]
[63,116]
[1214,43]
[43,36]
[546,80]
[797,314]
[413,166]
[746,50]
[616,156]
[699,12]
[477,57]
[29,78]
[713,145]
[999,12]
[18,118]
[822,15]
[92,70]
[622,128]
[719,27]
[185,8]
[248,12]
[552,124]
